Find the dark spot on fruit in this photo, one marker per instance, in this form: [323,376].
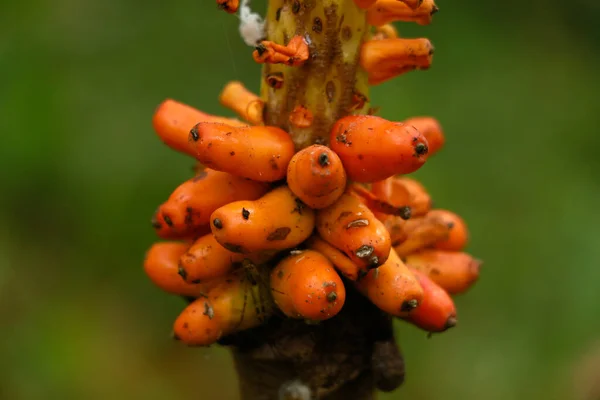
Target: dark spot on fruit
[218,223]
[278,14]
[299,206]
[279,234]
[273,163]
[155,223]
[344,214]
[194,133]
[245,214]
[331,297]
[236,248]
[185,325]
[182,272]
[409,305]
[168,220]
[232,153]
[434,271]
[374,262]
[280,274]
[405,212]
[196,281]
[324,159]
[421,149]
[296,6]
[199,176]
[364,251]
[208,311]
[189,215]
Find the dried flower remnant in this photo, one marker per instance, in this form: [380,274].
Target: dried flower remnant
[385,11]
[294,54]
[387,58]
[230,6]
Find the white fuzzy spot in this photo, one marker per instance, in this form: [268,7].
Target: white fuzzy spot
[294,390]
[252,26]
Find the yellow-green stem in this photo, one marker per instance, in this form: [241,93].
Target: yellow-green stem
[328,83]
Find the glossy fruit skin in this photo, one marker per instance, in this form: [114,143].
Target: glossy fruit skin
[372,148]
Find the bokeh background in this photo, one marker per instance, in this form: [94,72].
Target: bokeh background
[515,84]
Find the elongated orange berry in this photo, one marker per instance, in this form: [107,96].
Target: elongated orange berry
[384,11]
[392,287]
[395,195]
[188,209]
[437,311]
[377,205]
[372,148]
[458,235]
[233,304]
[276,221]
[316,175]
[261,153]
[294,54]
[431,129]
[206,259]
[454,271]
[396,227]
[230,6]
[341,262]
[385,59]
[421,233]
[351,227]
[160,264]
[173,120]
[246,104]
[400,191]
[305,285]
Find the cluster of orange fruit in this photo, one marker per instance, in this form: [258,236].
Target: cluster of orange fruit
[264,229]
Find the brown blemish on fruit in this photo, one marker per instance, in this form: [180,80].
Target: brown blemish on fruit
[279,234]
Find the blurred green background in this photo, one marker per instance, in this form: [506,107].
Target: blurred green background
[515,84]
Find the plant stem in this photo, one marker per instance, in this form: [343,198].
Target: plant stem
[328,81]
[351,355]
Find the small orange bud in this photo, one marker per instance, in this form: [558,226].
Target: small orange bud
[384,11]
[387,58]
[246,104]
[387,31]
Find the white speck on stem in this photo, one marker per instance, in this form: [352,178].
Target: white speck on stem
[252,26]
